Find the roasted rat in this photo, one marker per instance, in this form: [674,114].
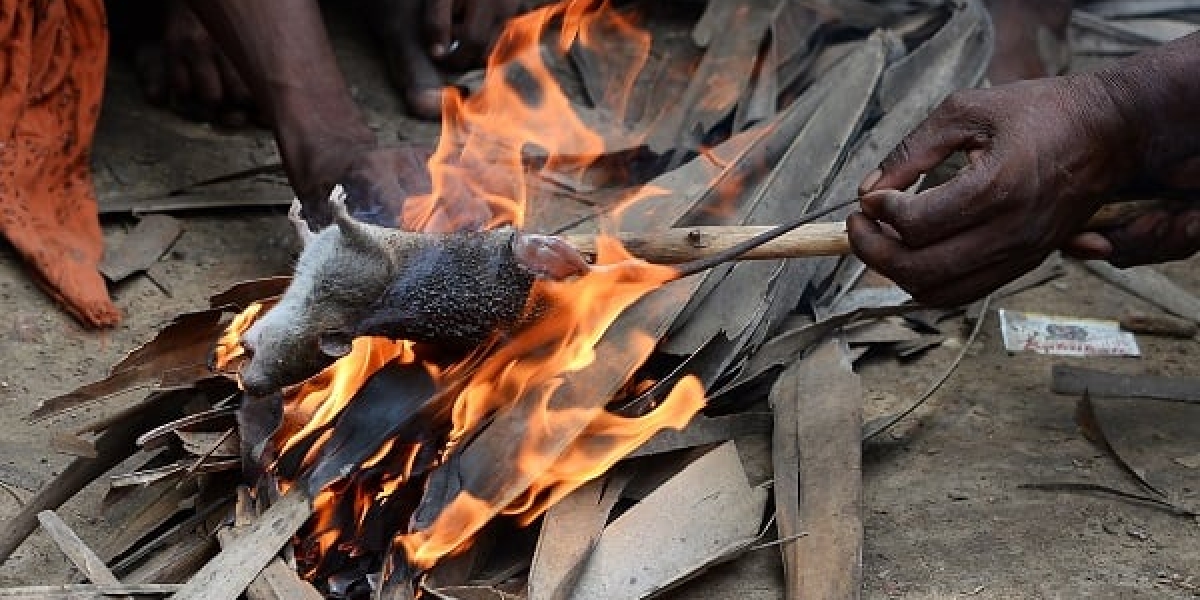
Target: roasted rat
[355,279]
[454,290]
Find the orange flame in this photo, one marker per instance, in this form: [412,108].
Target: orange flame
[229,347]
[478,180]
[573,316]
[606,439]
[477,167]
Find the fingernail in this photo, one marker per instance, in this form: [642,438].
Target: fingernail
[872,178]
[1089,246]
[872,203]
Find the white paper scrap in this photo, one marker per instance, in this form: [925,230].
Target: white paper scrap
[1065,336]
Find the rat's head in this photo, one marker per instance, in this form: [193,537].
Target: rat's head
[341,272]
[281,350]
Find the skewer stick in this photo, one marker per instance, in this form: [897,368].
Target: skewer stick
[680,245]
[684,244]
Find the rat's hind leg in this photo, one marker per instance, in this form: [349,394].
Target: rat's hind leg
[302,231]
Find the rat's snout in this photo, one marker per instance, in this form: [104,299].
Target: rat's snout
[255,384]
[253,380]
[249,343]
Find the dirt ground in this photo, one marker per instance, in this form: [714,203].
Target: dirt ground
[945,517]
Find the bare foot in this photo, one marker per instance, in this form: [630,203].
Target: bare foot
[1031,39]
[397,26]
[185,71]
[421,38]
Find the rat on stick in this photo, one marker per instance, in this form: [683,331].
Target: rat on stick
[454,290]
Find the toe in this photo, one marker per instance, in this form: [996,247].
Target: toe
[424,103]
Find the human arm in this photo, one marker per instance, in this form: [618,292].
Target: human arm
[283,52]
[1043,156]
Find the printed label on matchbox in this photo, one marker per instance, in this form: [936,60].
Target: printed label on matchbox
[1064,336]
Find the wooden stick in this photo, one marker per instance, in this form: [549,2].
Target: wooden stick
[816,451]
[228,574]
[277,581]
[76,550]
[674,246]
[1073,380]
[112,447]
[1164,325]
[176,562]
[1150,285]
[280,582]
[680,245]
[76,591]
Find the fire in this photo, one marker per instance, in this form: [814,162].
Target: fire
[573,316]
[229,347]
[476,168]
[606,439]
[477,174]
[319,400]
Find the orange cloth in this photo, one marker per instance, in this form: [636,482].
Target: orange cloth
[52,60]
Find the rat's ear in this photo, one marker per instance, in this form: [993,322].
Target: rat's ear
[335,344]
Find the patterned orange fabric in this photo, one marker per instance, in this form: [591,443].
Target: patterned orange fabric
[52,60]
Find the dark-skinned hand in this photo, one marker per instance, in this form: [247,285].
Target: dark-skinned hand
[379,182]
[1156,237]
[1041,155]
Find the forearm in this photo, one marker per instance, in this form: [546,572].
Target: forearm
[1158,93]
[282,50]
